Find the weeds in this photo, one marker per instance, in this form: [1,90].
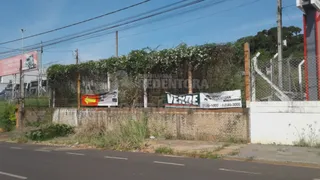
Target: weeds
[302,143]
[208,155]
[202,154]
[308,137]
[192,154]
[22,139]
[234,153]
[8,118]
[251,158]
[49,131]
[164,150]
[127,136]
[168,136]
[236,140]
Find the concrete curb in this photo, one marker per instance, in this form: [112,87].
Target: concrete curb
[279,163]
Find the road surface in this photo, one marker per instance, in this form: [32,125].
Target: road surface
[33,162]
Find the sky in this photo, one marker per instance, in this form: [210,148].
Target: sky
[210,23]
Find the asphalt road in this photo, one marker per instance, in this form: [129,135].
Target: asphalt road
[20,161]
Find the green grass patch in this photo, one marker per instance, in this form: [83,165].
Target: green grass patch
[208,155]
[49,131]
[164,150]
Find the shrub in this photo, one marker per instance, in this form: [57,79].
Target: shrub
[50,131]
[8,118]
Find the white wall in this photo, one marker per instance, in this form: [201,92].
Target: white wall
[65,116]
[284,122]
[29,76]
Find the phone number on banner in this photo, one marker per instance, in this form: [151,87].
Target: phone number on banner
[222,105]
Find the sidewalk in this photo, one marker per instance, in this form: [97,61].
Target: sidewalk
[247,152]
[280,153]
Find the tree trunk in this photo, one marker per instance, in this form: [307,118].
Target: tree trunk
[190,91]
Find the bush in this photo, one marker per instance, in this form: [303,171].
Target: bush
[8,117]
[50,131]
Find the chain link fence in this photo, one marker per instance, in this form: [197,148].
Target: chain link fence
[280,81]
[210,77]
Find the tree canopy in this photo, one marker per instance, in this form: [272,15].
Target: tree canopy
[265,42]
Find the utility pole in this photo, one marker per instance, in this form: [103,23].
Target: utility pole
[40,71]
[13,87]
[78,81]
[21,108]
[279,22]
[117,43]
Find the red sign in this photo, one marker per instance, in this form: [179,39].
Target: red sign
[10,66]
[90,100]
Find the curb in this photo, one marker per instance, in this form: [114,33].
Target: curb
[278,163]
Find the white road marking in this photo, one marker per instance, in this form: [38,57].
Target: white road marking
[12,175]
[77,154]
[42,150]
[168,163]
[316,179]
[236,171]
[112,157]
[15,148]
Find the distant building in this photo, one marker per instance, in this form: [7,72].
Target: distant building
[31,79]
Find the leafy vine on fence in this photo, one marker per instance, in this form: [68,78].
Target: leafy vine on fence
[218,64]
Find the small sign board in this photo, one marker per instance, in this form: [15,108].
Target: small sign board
[104,99]
[225,99]
[183,101]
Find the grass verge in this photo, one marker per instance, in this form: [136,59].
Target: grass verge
[194,154]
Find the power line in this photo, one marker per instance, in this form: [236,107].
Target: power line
[153,21]
[122,20]
[176,24]
[77,23]
[32,47]
[241,5]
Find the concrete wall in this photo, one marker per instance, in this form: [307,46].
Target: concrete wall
[284,122]
[38,114]
[182,123]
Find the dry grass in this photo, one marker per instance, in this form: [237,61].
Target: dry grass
[126,136]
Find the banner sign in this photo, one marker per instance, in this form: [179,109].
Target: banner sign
[10,66]
[225,99]
[180,101]
[105,99]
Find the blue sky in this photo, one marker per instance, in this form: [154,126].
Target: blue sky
[207,25]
